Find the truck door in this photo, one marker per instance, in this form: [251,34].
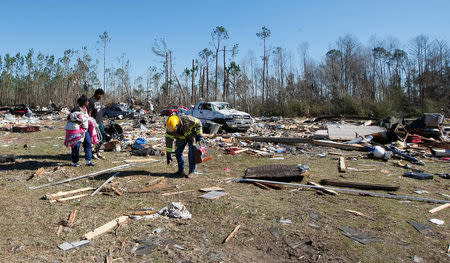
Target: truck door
[205,111]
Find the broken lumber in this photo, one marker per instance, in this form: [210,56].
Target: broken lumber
[439,208]
[359,214]
[343,146]
[120,167]
[342,165]
[359,185]
[232,234]
[67,198]
[106,227]
[143,160]
[209,189]
[71,219]
[59,194]
[412,198]
[105,183]
[39,172]
[263,186]
[331,192]
[143,213]
[175,193]
[287,140]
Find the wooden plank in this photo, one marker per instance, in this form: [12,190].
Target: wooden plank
[439,208]
[141,160]
[105,183]
[232,234]
[106,227]
[175,193]
[117,191]
[209,189]
[343,146]
[260,185]
[342,165]
[67,198]
[327,191]
[59,194]
[359,185]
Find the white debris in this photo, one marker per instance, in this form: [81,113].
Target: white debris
[437,221]
[175,210]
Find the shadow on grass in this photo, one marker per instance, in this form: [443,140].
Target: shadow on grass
[59,157]
[27,165]
[105,176]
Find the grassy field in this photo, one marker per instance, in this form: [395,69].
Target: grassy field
[29,224]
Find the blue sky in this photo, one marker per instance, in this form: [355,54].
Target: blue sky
[52,26]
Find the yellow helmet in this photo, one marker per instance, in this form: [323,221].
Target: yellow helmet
[172,123]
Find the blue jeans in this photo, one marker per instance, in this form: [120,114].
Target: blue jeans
[180,157]
[87,145]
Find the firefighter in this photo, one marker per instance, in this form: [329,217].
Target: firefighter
[184,130]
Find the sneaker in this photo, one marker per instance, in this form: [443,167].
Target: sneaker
[191,175]
[90,164]
[76,165]
[95,156]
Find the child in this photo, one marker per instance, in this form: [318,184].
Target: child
[77,131]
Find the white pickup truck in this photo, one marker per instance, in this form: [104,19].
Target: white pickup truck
[221,113]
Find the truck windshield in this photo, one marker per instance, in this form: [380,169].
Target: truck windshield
[223,106]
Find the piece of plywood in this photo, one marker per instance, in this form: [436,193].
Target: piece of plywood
[106,227]
[213,195]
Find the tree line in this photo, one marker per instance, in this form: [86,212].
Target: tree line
[383,77]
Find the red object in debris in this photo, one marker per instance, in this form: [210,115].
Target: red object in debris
[414,139]
[231,150]
[201,154]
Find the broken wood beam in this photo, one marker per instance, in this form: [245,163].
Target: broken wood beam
[263,186]
[232,234]
[59,194]
[67,198]
[106,227]
[71,219]
[343,146]
[327,191]
[359,185]
[342,166]
[439,208]
[105,183]
[286,140]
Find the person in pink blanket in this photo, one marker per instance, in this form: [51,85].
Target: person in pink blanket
[79,128]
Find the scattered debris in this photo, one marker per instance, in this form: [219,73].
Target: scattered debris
[175,210]
[209,189]
[437,221]
[66,246]
[423,229]
[285,221]
[342,165]
[417,175]
[323,189]
[357,235]
[105,183]
[213,195]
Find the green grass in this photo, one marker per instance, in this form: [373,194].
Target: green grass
[29,224]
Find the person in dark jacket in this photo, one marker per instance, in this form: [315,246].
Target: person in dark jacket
[183,130]
[96,112]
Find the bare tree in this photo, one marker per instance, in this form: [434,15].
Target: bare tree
[264,34]
[218,34]
[104,40]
